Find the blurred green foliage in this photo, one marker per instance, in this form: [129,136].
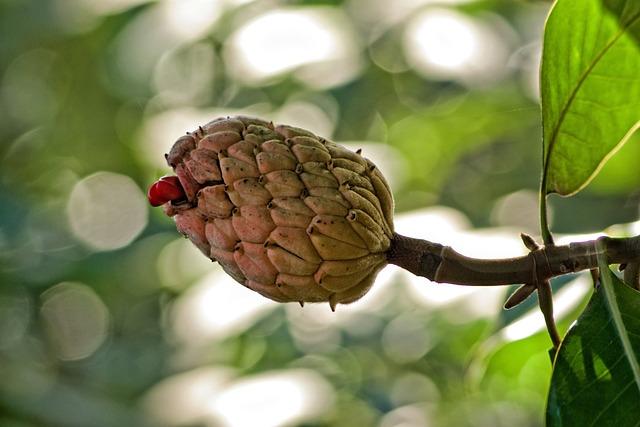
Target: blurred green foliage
[89,295]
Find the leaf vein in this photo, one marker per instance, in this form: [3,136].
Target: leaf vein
[591,338]
[595,380]
[606,107]
[578,86]
[621,328]
[601,413]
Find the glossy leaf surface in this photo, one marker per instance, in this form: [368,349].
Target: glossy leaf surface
[590,88]
[596,375]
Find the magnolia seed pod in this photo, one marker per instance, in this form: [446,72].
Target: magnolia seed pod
[288,214]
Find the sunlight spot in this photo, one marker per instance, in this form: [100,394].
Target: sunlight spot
[191,19]
[380,293]
[602,371]
[215,396]
[407,416]
[185,75]
[572,238]
[378,15]
[184,399]
[519,210]
[283,40]
[488,243]
[446,41]
[158,29]
[106,211]
[216,307]
[307,116]
[449,227]
[406,339]
[444,44]
[180,262]
[274,399]
[314,327]
[76,320]
[410,387]
[433,223]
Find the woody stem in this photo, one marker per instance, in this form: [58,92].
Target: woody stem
[442,264]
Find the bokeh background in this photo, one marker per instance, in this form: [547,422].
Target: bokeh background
[108,318]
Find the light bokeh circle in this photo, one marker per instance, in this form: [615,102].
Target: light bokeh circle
[106,211]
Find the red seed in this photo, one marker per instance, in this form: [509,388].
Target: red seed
[164,190]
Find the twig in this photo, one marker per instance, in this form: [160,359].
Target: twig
[442,264]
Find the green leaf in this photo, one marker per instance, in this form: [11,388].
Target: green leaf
[590,88]
[621,174]
[596,374]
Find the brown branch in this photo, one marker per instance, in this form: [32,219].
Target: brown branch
[444,265]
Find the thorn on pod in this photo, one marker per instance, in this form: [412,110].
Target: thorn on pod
[301,303]
[359,151]
[332,302]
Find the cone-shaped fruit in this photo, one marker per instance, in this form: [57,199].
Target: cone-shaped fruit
[286,213]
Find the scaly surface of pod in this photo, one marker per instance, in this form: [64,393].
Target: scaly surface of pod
[286,213]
